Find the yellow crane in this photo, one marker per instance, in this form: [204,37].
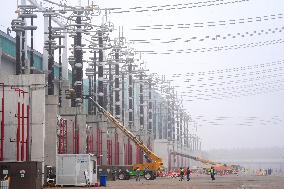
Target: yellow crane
[150,168]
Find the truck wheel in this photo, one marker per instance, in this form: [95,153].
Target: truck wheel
[148,175]
[121,176]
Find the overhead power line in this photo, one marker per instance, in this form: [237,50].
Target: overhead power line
[179,6]
[216,37]
[217,48]
[250,121]
[233,82]
[233,72]
[210,23]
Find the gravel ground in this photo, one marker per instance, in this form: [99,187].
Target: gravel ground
[201,182]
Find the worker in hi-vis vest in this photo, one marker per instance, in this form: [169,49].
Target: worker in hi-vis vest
[212,173]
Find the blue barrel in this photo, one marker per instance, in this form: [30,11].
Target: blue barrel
[103,180]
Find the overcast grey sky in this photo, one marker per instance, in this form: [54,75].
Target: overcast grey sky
[237,108]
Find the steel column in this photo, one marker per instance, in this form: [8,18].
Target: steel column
[122,99]
[50,61]
[150,108]
[78,55]
[18,53]
[116,86]
[2,123]
[141,100]
[18,131]
[100,71]
[60,75]
[23,133]
[28,134]
[23,55]
[95,82]
[32,48]
[110,85]
[116,149]
[130,97]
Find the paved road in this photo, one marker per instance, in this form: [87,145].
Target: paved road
[203,182]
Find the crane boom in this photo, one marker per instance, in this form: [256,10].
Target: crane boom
[156,162]
[205,161]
